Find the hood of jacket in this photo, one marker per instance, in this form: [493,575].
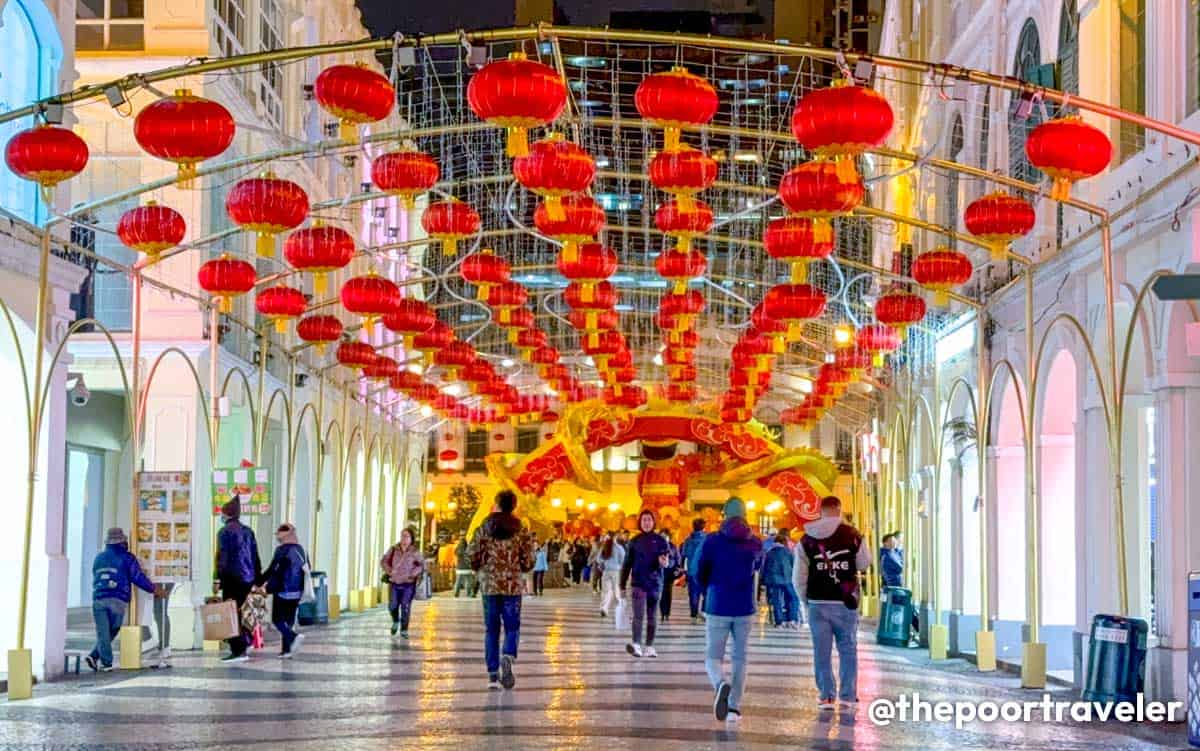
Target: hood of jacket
[737,528]
[824,527]
[501,526]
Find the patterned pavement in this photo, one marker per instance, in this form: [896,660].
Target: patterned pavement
[353,687]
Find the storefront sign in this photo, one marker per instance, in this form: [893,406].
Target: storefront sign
[251,484]
[163,537]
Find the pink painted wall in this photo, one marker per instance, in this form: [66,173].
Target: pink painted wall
[1057,486]
[1010,509]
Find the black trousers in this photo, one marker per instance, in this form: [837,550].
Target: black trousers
[238,592]
[539,582]
[664,602]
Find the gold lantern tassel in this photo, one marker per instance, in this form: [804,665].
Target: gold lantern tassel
[587,292]
[846,169]
[680,287]
[481,293]
[593,338]
[671,135]
[408,342]
[406,201]
[348,130]
[512,335]
[799,272]
[554,208]
[281,326]
[1060,189]
[321,347]
[685,243]
[779,344]
[999,250]
[225,304]
[902,331]
[685,202]
[186,175]
[877,359]
[794,330]
[822,230]
[516,141]
[570,251]
[505,316]
[449,246]
[941,297]
[591,321]
[320,284]
[264,244]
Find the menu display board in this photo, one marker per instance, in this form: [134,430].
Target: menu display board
[163,536]
[251,484]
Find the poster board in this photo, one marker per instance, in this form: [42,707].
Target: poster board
[163,534]
[251,484]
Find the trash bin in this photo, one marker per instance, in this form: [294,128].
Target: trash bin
[316,611]
[895,617]
[1193,682]
[1116,666]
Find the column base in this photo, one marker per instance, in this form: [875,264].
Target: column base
[985,651]
[211,645]
[20,674]
[939,639]
[356,601]
[869,607]
[1033,665]
[131,647]
[335,607]
[382,594]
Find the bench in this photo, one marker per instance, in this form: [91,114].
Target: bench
[77,655]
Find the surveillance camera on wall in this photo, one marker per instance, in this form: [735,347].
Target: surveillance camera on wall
[79,392]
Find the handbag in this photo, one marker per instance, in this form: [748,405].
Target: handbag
[309,594]
[621,617]
[386,578]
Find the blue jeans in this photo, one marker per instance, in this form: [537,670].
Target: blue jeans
[785,605]
[497,609]
[830,622]
[695,593]
[109,614]
[400,597]
[718,629]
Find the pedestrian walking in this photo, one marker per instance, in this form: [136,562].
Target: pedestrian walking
[540,566]
[729,559]
[827,580]
[284,581]
[114,572]
[579,557]
[612,559]
[670,573]
[464,577]
[642,581]
[689,555]
[777,575]
[403,566]
[238,567]
[500,553]
[564,560]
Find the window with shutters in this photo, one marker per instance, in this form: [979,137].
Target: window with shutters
[951,204]
[1131,23]
[1193,59]
[985,129]
[527,440]
[1024,67]
[1068,81]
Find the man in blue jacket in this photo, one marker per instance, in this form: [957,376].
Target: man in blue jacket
[238,567]
[113,571]
[728,562]
[689,552]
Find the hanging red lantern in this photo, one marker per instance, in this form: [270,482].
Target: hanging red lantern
[454,356]
[406,173]
[853,359]
[184,129]
[680,267]
[794,304]
[280,304]
[841,122]
[814,190]
[677,358]
[318,250]
[517,94]
[432,339]
[683,307]
[355,95]
[266,206]
[514,320]
[602,298]
[673,100]
[603,319]
[603,346]
[998,219]
[835,375]
[899,309]
[46,155]
[629,397]
[683,173]
[794,240]
[684,374]
[319,331]
[752,352]
[484,269]
[408,318]
[529,339]
[878,339]
[680,393]
[582,219]
[151,228]
[225,278]
[406,381]
[370,296]
[1068,149]
[555,168]
[478,372]
[505,298]
[450,221]
[356,355]
[774,329]
[543,356]
[381,369]
[942,270]
[684,221]
[592,263]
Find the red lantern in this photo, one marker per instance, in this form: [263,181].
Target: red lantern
[941,270]
[998,219]
[683,173]
[517,94]
[450,221]
[226,278]
[602,297]
[453,356]
[675,99]
[355,95]
[582,219]
[46,155]
[1068,149]
[280,304]
[432,339]
[899,310]
[184,129]
[381,369]
[356,355]
[151,228]
[319,330]
[684,221]
[318,250]
[841,122]
[405,381]
[603,319]
[408,318]
[793,239]
[554,168]
[478,372]
[406,174]
[794,304]
[769,327]
[369,297]
[681,393]
[592,263]
[543,356]
[266,206]
[853,359]
[878,339]
[752,352]
[815,191]
[684,374]
[629,397]
[485,269]
[514,320]
[505,298]
[528,340]
[681,267]
[683,307]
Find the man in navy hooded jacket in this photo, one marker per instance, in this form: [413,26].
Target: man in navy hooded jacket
[728,562]
[114,572]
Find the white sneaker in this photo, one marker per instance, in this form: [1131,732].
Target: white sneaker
[634,649]
[285,655]
[848,705]
[734,717]
[650,652]
[297,643]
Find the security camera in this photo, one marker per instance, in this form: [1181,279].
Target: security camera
[79,392]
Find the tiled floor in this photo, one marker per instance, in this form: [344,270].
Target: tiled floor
[355,688]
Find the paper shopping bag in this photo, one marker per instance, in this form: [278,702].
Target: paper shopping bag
[220,620]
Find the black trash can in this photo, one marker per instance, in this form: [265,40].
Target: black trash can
[895,617]
[1193,682]
[316,611]
[1116,666]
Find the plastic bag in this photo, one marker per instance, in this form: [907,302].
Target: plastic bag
[621,619]
[310,594]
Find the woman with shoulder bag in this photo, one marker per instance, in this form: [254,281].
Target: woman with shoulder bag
[402,567]
[284,579]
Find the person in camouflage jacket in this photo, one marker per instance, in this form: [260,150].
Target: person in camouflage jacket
[501,552]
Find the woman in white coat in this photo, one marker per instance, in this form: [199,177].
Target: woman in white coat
[611,557]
